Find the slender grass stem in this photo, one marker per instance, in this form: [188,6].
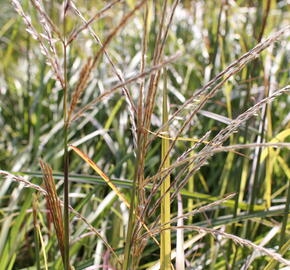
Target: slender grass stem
[36,235]
[131,222]
[66,201]
[65,146]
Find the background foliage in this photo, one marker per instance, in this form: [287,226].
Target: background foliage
[210,35]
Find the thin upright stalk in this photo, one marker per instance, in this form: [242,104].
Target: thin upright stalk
[65,146]
[28,87]
[66,201]
[165,240]
[131,222]
[140,157]
[36,236]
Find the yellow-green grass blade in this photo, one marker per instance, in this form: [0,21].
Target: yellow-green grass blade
[269,162]
[12,261]
[36,234]
[111,185]
[190,188]
[225,176]
[110,120]
[102,174]
[271,157]
[165,237]
[280,137]
[42,247]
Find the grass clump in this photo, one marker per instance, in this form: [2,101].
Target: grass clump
[178,112]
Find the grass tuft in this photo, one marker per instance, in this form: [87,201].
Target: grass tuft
[177,110]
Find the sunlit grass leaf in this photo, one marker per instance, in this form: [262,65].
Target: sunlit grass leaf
[96,168]
[109,182]
[280,137]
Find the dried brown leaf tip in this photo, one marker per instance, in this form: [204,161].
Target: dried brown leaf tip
[54,205]
[82,83]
